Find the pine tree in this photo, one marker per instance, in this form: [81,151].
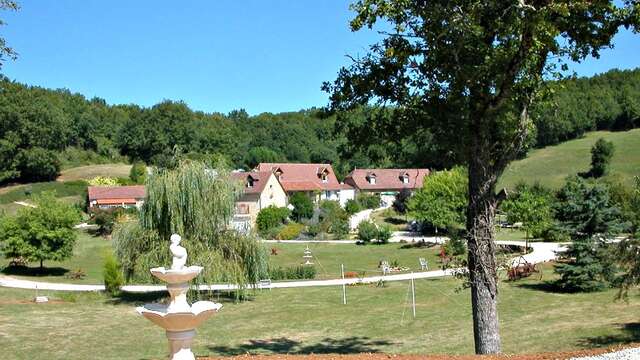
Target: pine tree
[586,212]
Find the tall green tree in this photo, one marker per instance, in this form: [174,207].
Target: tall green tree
[40,233]
[470,71]
[198,203]
[601,154]
[587,214]
[531,205]
[442,200]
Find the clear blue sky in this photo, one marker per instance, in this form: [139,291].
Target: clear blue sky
[260,55]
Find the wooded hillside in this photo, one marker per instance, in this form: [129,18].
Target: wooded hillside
[43,130]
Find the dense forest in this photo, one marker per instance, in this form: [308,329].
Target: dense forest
[42,130]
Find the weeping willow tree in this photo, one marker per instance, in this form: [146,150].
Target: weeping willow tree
[197,203]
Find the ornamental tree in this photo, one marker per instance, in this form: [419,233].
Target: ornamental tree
[469,71]
[532,206]
[39,233]
[601,154]
[442,200]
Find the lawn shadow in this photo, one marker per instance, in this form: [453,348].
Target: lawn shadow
[125,297]
[418,245]
[34,271]
[630,332]
[548,286]
[395,221]
[350,345]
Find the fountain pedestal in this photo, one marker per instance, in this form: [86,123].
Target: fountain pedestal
[179,319]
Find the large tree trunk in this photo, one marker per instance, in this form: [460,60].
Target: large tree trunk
[482,261]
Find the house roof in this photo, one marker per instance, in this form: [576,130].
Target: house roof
[116,192]
[303,177]
[260,179]
[387,179]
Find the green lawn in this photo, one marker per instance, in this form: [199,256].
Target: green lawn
[358,258]
[88,256]
[306,320]
[552,164]
[390,217]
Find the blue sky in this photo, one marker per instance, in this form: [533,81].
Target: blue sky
[214,55]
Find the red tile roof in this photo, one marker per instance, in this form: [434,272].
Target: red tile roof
[259,178]
[116,192]
[386,179]
[303,177]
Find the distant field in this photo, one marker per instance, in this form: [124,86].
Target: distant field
[90,171]
[551,165]
[67,189]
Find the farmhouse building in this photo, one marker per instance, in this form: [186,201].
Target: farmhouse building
[106,197]
[316,180]
[261,189]
[386,182]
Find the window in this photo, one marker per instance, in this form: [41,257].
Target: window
[405,179]
[324,178]
[372,180]
[249,182]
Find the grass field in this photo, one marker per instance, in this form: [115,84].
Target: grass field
[89,172]
[63,189]
[551,165]
[363,259]
[88,256]
[313,320]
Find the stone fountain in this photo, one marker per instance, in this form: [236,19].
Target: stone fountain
[179,319]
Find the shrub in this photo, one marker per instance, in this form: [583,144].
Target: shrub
[333,218]
[384,233]
[270,217]
[368,201]
[138,172]
[112,275]
[367,231]
[456,246]
[302,206]
[105,219]
[352,206]
[290,231]
[601,154]
[103,181]
[300,272]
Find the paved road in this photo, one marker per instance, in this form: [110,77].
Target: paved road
[542,252]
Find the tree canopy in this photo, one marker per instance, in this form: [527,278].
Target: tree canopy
[42,232]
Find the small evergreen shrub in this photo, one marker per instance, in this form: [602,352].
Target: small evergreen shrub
[112,275]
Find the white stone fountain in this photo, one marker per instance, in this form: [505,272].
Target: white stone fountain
[179,319]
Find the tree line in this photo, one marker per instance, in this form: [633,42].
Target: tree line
[42,130]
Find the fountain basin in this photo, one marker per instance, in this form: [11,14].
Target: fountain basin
[172,276]
[179,321]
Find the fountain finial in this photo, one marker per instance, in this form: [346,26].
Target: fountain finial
[179,253]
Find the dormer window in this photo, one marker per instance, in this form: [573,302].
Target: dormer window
[278,173]
[323,174]
[371,178]
[405,179]
[250,182]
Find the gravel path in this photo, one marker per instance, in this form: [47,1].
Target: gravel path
[626,354]
[541,252]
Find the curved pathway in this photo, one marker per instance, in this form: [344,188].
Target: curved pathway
[542,252]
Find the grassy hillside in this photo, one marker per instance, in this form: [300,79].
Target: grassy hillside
[89,172]
[552,164]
